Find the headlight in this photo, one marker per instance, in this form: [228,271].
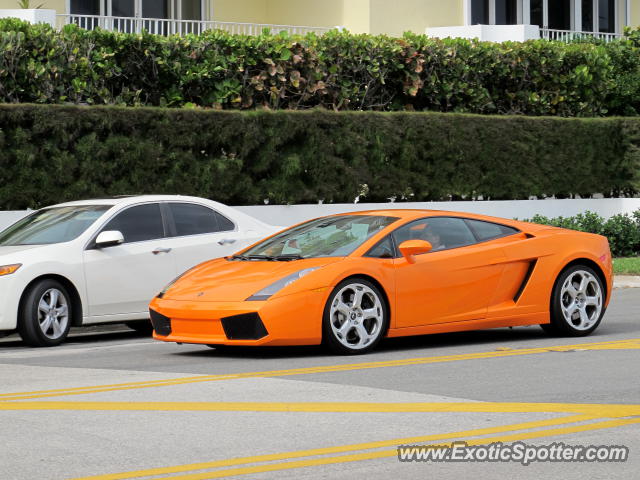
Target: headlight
[9,269]
[271,290]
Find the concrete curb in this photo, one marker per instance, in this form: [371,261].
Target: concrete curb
[626,281]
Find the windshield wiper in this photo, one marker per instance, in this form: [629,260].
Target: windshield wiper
[289,257]
[279,258]
[247,258]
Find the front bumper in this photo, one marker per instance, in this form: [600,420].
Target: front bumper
[10,293]
[290,320]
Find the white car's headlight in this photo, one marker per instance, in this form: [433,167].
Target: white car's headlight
[9,269]
[271,290]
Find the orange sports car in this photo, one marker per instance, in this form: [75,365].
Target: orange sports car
[350,280]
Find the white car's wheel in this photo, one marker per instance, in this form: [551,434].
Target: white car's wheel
[355,318]
[45,314]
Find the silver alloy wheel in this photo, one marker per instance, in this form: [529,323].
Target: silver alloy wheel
[53,314]
[581,300]
[356,316]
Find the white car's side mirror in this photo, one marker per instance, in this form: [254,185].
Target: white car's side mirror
[109,238]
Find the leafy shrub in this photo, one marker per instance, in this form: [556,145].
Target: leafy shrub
[623,231]
[51,153]
[337,71]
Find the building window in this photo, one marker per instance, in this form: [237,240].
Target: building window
[191,10]
[587,16]
[123,8]
[155,9]
[560,14]
[606,16]
[161,9]
[537,13]
[480,12]
[85,7]
[506,12]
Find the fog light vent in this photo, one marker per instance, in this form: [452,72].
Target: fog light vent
[161,324]
[244,327]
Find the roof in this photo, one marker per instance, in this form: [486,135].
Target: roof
[409,214]
[129,200]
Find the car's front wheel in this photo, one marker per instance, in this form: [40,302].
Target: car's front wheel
[356,317]
[577,302]
[45,314]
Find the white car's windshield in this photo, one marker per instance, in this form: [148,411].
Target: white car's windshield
[327,237]
[52,225]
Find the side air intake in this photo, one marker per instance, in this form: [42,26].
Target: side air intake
[525,280]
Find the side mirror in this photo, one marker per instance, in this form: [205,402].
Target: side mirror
[410,248]
[110,238]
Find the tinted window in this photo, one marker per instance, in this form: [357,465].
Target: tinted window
[138,224]
[191,219]
[224,224]
[488,231]
[384,249]
[441,232]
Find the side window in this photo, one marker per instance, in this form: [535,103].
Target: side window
[138,224]
[441,232]
[191,219]
[383,249]
[486,231]
[224,224]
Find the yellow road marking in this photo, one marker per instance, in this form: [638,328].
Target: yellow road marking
[615,344]
[596,410]
[392,453]
[340,449]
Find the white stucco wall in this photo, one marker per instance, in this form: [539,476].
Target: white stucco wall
[286,215]
[7,218]
[31,15]
[488,33]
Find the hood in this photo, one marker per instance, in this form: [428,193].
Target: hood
[234,281]
[18,253]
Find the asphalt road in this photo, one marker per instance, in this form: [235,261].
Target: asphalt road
[111,404]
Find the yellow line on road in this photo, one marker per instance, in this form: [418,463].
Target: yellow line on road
[616,344]
[340,449]
[596,410]
[392,453]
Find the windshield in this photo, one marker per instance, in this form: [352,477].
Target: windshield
[53,225]
[327,237]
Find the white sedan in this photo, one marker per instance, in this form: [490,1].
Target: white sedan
[102,261]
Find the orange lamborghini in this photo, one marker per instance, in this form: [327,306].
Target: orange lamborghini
[350,280]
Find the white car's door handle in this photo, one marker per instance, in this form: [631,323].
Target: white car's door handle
[227,241]
[158,251]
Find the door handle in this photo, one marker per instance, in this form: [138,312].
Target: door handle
[158,251]
[227,241]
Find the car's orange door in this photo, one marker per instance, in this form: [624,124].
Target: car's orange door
[455,282]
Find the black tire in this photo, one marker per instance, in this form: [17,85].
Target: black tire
[568,327]
[141,326]
[375,328]
[30,317]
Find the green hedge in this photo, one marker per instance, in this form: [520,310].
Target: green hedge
[337,71]
[50,154]
[623,231]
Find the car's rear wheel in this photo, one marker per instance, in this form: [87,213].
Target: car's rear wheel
[356,317]
[577,302]
[45,314]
